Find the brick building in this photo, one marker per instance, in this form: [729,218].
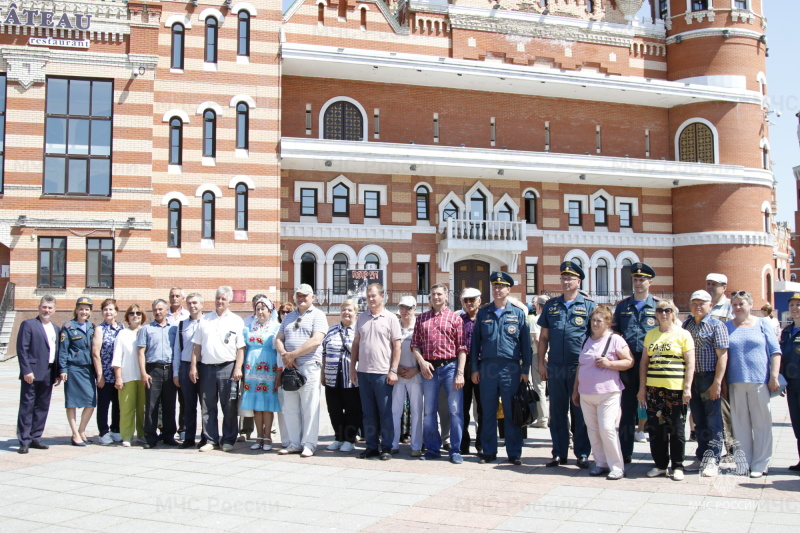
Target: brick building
[194,143]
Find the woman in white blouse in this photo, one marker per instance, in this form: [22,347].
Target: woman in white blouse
[127,377]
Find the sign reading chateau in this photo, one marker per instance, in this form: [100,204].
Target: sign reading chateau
[40,18]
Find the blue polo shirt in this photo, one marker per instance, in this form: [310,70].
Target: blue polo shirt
[158,342]
[567,327]
[634,319]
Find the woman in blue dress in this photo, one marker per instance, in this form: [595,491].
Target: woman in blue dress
[261,372]
[77,369]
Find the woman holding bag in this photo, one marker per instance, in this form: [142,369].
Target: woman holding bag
[598,389]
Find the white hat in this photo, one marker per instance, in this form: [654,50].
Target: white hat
[719,278]
[304,288]
[408,301]
[701,295]
[470,292]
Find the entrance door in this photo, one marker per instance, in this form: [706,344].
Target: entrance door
[471,273]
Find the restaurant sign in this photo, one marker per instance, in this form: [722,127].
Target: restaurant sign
[40,18]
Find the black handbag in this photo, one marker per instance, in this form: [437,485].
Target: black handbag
[292,380]
[524,405]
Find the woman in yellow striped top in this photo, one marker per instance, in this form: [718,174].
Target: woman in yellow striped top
[667,369]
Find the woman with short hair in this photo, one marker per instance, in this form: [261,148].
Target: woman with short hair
[105,334]
[128,377]
[409,381]
[77,369]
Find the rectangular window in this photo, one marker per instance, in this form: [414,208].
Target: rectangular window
[308,119]
[339,277]
[2,130]
[574,213]
[625,215]
[77,142]
[740,4]
[308,202]
[547,136]
[647,143]
[436,127]
[99,263]
[372,204]
[598,138]
[423,279]
[52,262]
[493,132]
[530,280]
[699,5]
[376,117]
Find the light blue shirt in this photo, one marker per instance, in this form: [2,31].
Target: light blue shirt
[750,351]
[157,341]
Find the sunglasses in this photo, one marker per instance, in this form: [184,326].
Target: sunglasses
[282,312]
[135,313]
[740,294]
[405,307]
[666,310]
[297,323]
[469,300]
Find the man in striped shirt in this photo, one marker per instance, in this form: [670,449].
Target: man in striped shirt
[438,345]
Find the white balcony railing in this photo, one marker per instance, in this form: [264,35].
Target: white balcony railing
[484,230]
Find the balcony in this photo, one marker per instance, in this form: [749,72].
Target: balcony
[503,240]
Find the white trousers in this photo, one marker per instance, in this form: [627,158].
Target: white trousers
[542,406]
[752,423]
[414,391]
[301,409]
[602,412]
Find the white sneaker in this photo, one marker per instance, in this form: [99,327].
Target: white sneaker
[289,449]
[677,474]
[257,445]
[307,452]
[756,475]
[655,472]
[710,470]
[335,445]
[207,447]
[116,437]
[267,445]
[639,436]
[126,444]
[694,466]
[347,447]
[227,447]
[105,440]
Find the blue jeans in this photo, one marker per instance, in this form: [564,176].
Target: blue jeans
[444,376]
[499,379]
[561,381]
[376,404]
[707,416]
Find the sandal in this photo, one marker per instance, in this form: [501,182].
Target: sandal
[256,446]
[267,445]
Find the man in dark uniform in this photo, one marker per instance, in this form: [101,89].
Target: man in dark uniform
[633,318]
[500,352]
[565,324]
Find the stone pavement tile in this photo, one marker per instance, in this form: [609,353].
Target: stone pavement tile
[138,525]
[584,527]
[402,477]
[686,500]
[456,501]
[359,473]
[417,488]
[346,521]
[337,481]
[378,485]
[481,521]
[399,498]
[398,525]
[15,525]
[484,484]
[225,521]
[771,518]
[722,521]
[529,524]
[640,529]
[20,494]
[65,500]
[623,496]
[301,516]
[427,515]
[778,506]
[137,510]
[441,481]
[570,490]
[606,516]
[372,508]
[40,512]
[663,515]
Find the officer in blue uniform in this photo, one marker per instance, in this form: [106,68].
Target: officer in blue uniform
[501,345]
[565,324]
[77,369]
[790,367]
[633,318]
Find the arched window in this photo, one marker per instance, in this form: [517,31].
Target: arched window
[176,58]
[242,125]
[530,207]
[175,141]
[308,269]
[600,211]
[241,206]
[212,27]
[601,277]
[209,132]
[423,195]
[626,282]
[243,35]
[343,122]
[340,274]
[577,261]
[505,214]
[696,144]
[767,225]
[477,206]
[450,211]
[765,157]
[341,200]
[174,223]
[372,262]
[208,215]
[590,6]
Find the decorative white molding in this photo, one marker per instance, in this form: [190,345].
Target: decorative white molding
[26,67]
[247,180]
[208,187]
[246,98]
[180,113]
[209,105]
[179,19]
[653,240]
[211,12]
[715,32]
[246,6]
[174,195]
[352,232]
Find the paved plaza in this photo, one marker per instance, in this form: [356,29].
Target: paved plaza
[132,489]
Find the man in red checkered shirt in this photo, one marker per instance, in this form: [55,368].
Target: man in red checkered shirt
[438,344]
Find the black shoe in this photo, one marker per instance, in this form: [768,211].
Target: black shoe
[38,445]
[627,459]
[81,443]
[385,456]
[171,443]
[692,436]
[369,454]
[487,459]
[515,461]
[202,443]
[446,446]
[556,461]
[395,451]
[149,445]
[187,444]
[23,449]
[583,462]
[479,449]
[795,468]
[465,450]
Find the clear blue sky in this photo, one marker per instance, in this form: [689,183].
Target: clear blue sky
[783,84]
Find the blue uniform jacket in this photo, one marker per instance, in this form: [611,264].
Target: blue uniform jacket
[632,324]
[506,337]
[790,355]
[567,328]
[74,346]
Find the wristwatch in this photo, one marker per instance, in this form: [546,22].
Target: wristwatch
[393,370]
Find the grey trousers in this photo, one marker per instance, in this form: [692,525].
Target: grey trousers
[214,384]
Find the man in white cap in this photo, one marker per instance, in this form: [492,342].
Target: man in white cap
[470,303]
[711,357]
[299,344]
[542,407]
[716,285]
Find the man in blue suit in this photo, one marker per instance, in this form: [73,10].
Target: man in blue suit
[36,353]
